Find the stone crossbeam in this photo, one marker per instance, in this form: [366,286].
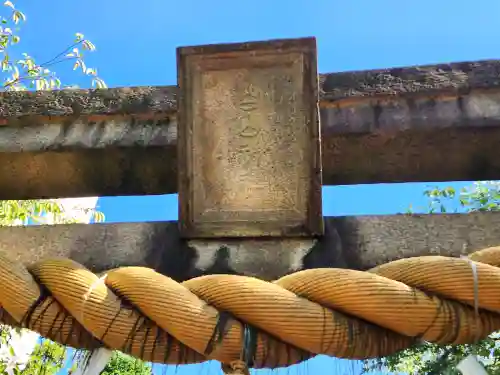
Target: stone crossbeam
[353,242]
[389,125]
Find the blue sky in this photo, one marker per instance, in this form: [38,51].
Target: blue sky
[136,43]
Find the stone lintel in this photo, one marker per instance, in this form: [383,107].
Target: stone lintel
[358,243]
[427,80]
[397,121]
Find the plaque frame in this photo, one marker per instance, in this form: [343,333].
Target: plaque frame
[192,63]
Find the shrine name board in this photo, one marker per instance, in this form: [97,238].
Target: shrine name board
[249,140]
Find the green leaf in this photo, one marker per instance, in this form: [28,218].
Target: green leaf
[20,15]
[83,66]
[87,44]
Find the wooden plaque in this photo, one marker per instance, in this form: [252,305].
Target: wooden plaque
[249,140]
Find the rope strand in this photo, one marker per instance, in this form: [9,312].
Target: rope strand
[336,312]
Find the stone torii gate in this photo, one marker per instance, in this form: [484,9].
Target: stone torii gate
[376,126]
[248,156]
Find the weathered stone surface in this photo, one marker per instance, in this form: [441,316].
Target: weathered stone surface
[249,140]
[377,126]
[353,242]
[80,173]
[391,114]
[115,101]
[455,77]
[85,133]
[459,77]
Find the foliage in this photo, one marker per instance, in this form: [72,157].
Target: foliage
[481,196]
[17,212]
[13,357]
[122,364]
[47,358]
[24,73]
[428,358]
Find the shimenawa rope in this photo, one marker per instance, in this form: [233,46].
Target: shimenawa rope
[238,319]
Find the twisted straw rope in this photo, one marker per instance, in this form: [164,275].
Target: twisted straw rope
[337,312]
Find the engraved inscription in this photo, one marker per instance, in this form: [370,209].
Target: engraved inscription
[251,144]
